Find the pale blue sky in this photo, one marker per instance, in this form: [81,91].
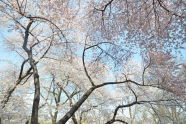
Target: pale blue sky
[7,54]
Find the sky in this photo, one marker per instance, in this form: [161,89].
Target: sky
[7,55]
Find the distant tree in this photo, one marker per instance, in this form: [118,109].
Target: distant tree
[94,42]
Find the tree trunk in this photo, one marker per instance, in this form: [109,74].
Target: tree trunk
[53,120]
[35,107]
[27,122]
[74,119]
[75,107]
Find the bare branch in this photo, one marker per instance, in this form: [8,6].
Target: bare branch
[144,70]
[84,66]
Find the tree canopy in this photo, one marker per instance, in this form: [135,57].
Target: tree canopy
[93,61]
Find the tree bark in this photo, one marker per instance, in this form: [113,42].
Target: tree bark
[53,120]
[35,106]
[74,119]
[75,107]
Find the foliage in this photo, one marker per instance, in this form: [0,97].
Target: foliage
[87,61]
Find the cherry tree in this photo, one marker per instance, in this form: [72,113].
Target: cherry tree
[91,43]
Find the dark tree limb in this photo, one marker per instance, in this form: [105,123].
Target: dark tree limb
[35,107]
